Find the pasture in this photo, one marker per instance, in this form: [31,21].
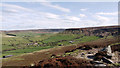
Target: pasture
[26,42]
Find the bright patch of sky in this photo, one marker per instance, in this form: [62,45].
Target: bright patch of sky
[47,15]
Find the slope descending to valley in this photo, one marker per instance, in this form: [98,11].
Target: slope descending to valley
[31,47]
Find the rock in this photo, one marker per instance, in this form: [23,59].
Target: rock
[100,65]
[104,49]
[71,41]
[86,47]
[98,62]
[82,55]
[32,64]
[91,56]
[109,56]
[107,60]
[7,56]
[60,45]
[99,57]
[89,53]
[109,49]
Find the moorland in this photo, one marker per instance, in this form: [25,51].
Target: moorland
[61,47]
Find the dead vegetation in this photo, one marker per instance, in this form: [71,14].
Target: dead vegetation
[62,62]
[102,42]
[116,47]
[36,57]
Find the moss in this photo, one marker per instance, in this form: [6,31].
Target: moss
[52,56]
[76,51]
[63,55]
[117,64]
[114,44]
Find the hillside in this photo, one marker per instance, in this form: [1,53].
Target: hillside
[36,30]
[95,31]
[33,46]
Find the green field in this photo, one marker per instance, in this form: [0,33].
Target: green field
[26,42]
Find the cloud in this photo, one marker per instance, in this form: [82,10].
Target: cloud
[106,18]
[13,8]
[25,18]
[48,4]
[52,16]
[82,15]
[105,21]
[107,13]
[102,18]
[72,18]
[19,17]
[83,9]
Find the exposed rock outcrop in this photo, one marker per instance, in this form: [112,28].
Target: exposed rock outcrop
[95,31]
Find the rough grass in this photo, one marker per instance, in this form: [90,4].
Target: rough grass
[46,54]
[105,42]
[63,62]
[59,37]
[18,45]
[26,50]
[21,40]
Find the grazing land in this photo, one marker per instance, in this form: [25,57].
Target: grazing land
[39,47]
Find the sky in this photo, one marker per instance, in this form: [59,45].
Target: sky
[56,15]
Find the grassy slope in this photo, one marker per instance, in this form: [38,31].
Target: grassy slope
[22,39]
[31,58]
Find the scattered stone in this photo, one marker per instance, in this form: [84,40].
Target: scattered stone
[98,62]
[109,49]
[109,56]
[107,60]
[32,64]
[71,41]
[60,45]
[90,56]
[100,65]
[86,47]
[89,53]
[82,54]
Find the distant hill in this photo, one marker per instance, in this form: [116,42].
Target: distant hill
[97,31]
[36,31]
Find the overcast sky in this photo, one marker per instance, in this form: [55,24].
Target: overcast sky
[47,15]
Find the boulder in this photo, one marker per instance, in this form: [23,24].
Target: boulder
[107,60]
[109,49]
[86,47]
[100,55]
[98,62]
[100,65]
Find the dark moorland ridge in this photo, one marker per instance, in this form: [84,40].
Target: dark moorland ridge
[60,30]
[90,31]
[96,31]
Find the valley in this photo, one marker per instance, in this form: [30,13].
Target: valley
[36,47]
